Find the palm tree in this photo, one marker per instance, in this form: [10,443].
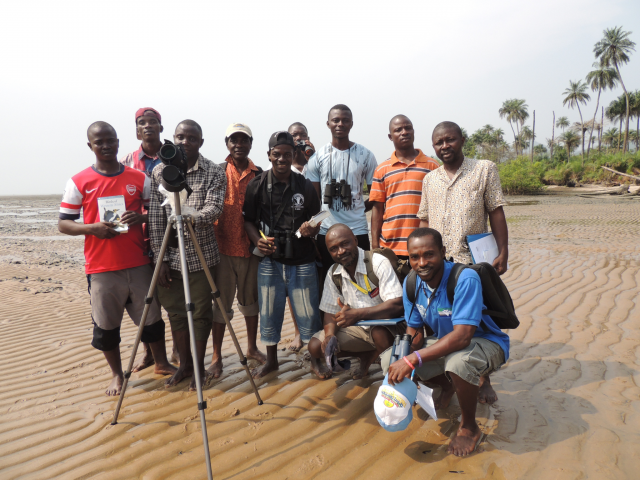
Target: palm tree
[635,112]
[602,78]
[574,96]
[515,111]
[526,133]
[615,49]
[570,140]
[610,136]
[615,112]
[563,122]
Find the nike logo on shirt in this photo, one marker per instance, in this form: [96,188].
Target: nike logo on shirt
[89,191]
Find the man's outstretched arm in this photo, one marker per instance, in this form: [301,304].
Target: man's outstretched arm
[500,231]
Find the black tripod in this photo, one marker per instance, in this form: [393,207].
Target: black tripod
[180,221]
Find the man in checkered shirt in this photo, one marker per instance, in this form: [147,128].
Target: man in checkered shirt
[360,299]
[209,185]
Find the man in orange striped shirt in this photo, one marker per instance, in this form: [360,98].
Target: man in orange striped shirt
[397,189]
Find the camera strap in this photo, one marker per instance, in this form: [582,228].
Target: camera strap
[283,205]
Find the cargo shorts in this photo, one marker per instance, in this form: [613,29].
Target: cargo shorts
[357,339]
[480,357]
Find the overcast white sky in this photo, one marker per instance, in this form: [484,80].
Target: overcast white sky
[66,64]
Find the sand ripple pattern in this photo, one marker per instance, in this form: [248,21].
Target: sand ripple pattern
[568,403]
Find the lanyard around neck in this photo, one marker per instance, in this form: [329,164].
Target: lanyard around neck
[429,297]
[366,282]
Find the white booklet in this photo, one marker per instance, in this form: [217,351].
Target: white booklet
[111,210]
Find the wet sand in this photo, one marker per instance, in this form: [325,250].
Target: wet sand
[568,397]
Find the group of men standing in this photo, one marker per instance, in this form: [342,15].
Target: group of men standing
[246,226]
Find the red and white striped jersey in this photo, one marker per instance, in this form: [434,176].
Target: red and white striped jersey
[82,192]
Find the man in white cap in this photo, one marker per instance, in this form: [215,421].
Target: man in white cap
[238,268]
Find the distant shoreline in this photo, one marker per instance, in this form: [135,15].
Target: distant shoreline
[34,197]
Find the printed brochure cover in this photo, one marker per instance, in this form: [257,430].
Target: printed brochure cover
[111,209]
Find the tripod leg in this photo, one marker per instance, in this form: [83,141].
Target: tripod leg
[216,294]
[143,320]
[202,405]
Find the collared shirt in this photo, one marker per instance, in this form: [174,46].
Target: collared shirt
[141,161]
[230,233]
[355,166]
[389,287]
[460,207]
[209,184]
[301,203]
[399,186]
[435,310]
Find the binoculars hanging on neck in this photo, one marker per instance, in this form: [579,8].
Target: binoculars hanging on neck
[340,190]
[283,240]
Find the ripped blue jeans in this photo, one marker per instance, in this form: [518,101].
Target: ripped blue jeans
[276,282]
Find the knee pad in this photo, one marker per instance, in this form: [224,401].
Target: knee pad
[105,340]
[153,333]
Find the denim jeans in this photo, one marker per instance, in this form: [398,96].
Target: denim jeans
[300,283]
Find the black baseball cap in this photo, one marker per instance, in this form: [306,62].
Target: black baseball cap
[281,138]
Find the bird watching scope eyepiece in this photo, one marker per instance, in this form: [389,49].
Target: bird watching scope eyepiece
[174,174]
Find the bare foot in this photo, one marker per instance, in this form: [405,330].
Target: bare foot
[296,345]
[487,394]
[192,384]
[164,369]
[465,441]
[257,355]
[445,397]
[264,369]
[321,372]
[176,378]
[143,362]
[115,386]
[366,359]
[215,369]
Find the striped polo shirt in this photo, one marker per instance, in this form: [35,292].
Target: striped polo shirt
[399,187]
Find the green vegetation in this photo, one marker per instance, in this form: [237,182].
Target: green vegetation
[527,174]
[521,176]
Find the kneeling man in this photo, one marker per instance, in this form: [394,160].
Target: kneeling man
[465,344]
[360,299]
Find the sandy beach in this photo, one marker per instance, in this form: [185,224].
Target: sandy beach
[568,397]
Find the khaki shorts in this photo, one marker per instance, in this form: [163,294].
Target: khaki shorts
[480,358]
[357,339]
[114,292]
[173,301]
[236,273]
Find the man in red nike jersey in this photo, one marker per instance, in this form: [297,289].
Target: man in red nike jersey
[111,197]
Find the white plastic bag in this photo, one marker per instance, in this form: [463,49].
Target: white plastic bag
[169,199]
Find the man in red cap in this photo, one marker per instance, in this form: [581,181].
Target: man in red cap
[145,159]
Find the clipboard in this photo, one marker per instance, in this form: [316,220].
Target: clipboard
[382,321]
[483,248]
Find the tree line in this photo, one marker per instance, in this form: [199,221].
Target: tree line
[611,53]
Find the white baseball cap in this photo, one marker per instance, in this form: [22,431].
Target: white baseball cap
[392,405]
[238,127]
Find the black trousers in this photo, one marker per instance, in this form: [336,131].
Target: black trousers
[327,261]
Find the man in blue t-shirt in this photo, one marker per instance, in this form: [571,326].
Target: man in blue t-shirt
[463,344]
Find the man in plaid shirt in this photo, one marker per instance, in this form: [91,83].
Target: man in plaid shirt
[209,185]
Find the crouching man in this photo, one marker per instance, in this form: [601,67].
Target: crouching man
[465,344]
[359,299]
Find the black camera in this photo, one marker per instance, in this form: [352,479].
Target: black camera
[301,145]
[174,174]
[333,190]
[283,241]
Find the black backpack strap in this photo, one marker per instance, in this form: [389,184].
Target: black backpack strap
[411,290]
[368,262]
[337,279]
[456,270]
